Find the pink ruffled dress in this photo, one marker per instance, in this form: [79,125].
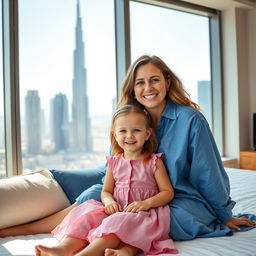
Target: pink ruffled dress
[147,230]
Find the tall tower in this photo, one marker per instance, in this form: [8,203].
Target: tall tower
[81,139]
[33,122]
[60,121]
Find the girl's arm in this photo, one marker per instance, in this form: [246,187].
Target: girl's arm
[111,206]
[164,196]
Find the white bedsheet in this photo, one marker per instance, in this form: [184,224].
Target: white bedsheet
[243,191]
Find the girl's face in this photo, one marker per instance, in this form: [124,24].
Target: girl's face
[150,88]
[131,133]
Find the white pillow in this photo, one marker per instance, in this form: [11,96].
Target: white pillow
[29,197]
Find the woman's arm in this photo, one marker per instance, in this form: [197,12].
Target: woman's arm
[165,195]
[111,206]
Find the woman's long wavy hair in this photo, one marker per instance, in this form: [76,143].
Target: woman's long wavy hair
[150,145]
[176,92]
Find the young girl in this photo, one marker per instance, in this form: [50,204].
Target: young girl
[134,197]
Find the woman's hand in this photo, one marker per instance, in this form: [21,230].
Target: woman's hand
[235,222]
[137,206]
[112,207]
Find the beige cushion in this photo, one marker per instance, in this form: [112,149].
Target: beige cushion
[29,197]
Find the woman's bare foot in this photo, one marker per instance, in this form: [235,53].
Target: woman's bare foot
[117,252]
[42,250]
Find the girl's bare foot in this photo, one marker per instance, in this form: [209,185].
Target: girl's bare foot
[42,250]
[116,252]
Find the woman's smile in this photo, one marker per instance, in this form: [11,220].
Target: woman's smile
[150,88]
[150,97]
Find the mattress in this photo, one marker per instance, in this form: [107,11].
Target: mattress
[243,191]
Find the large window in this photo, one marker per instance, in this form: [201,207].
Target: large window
[64,60]
[67,82]
[2,129]
[181,39]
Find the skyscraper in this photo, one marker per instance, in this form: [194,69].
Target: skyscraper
[81,139]
[33,122]
[2,133]
[60,121]
[205,99]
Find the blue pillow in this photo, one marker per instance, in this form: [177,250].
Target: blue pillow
[92,192]
[74,182]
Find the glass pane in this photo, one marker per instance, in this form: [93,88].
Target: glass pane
[67,82]
[2,130]
[181,40]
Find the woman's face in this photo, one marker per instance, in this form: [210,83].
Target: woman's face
[150,88]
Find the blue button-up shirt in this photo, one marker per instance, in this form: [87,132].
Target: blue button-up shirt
[196,171]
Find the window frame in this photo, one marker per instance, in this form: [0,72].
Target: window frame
[11,87]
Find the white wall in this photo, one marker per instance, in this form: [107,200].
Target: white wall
[230,83]
[239,53]
[244,78]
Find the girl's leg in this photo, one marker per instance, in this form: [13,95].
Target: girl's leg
[67,247]
[45,225]
[97,246]
[124,250]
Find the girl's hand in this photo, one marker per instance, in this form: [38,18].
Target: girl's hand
[137,206]
[235,222]
[112,207]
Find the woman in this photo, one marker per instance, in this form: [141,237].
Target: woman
[202,206]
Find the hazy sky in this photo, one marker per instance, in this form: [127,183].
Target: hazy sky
[179,38]
[47,41]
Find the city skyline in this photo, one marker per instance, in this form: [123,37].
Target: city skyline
[77,134]
[61,130]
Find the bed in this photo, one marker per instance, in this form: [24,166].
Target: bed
[243,191]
